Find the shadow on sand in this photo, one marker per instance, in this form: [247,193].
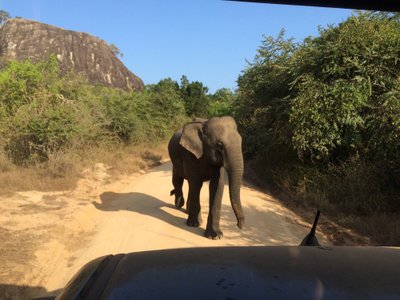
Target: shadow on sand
[262,226]
[146,205]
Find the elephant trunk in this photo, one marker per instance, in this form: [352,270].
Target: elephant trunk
[234,167]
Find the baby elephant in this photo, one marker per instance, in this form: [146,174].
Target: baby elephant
[202,151]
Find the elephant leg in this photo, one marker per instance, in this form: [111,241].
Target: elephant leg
[177,181]
[193,203]
[217,181]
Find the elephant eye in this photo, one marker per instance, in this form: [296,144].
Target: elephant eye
[220,145]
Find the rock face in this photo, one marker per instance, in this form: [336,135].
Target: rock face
[85,54]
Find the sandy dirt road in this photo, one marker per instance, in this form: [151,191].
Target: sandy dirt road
[47,237]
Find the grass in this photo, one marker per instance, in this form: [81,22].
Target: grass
[382,228]
[63,169]
[341,218]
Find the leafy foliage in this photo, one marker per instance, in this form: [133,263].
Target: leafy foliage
[42,112]
[116,51]
[263,110]
[326,101]
[4,16]
[195,98]
[222,103]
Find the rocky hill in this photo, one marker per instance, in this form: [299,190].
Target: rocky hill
[94,58]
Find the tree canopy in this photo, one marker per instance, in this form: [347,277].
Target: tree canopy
[331,95]
[4,16]
[327,100]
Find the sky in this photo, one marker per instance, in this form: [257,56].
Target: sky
[209,41]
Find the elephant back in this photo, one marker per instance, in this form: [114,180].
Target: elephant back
[174,149]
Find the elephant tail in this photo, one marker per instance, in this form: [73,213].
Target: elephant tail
[172,193]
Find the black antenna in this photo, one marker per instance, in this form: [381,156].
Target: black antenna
[311,239]
[315,222]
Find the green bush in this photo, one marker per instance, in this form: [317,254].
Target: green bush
[222,103]
[19,82]
[40,133]
[195,98]
[42,112]
[328,106]
[45,114]
[144,117]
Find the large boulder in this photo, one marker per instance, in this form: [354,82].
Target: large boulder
[77,51]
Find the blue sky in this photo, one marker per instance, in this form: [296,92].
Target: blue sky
[206,40]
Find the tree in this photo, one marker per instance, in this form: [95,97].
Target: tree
[329,97]
[195,97]
[262,104]
[222,103]
[323,116]
[345,96]
[4,16]
[116,51]
[184,83]
[163,85]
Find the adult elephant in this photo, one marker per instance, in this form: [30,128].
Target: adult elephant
[202,151]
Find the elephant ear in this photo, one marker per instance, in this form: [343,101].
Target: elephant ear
[191,138]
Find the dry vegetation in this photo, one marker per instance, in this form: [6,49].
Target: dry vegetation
[342,228]
[63,170]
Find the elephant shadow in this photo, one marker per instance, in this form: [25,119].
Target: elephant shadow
[145,204]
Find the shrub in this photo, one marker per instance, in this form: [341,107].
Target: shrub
[222,103]
[328,106]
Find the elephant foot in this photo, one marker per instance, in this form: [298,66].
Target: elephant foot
[193,221]
[179,202]
[213,234]
[240,223]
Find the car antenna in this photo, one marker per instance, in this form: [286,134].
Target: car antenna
[311,239]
